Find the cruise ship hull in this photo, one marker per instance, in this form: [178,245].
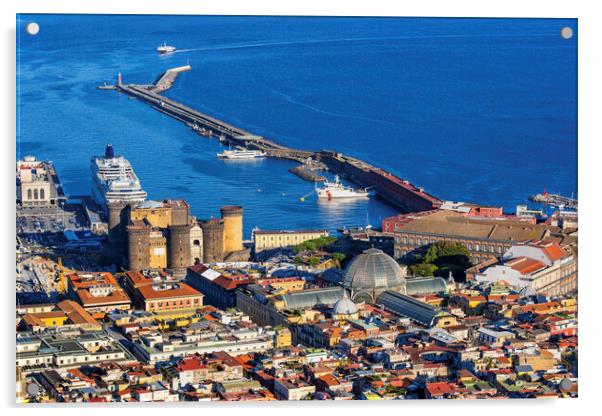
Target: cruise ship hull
[114,180]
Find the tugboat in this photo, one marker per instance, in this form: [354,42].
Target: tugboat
[336,190]
[165,48]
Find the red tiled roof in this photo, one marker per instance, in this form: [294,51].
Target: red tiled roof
[198,268]
[439,388]
[90,279]
[232,282]
[117,297]
[191,364]
[525,265]
[552,250]
[181,290]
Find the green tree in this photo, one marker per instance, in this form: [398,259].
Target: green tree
[440,258]
[431,254]
[314,245]
[423,269]
[313,261]
[338,258]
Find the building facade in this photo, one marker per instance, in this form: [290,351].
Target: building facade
[38,184]
[97,292]
[542,266]
[272,240]
[219,290]
[485,238]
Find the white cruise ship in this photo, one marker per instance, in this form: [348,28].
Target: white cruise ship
[336,190]
[241,154]
[114,179]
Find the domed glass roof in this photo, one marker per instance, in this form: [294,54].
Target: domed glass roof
[344,306]
[373,269]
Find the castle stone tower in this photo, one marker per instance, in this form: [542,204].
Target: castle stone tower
[117,233]
[179,212]
[213,240]
[138,247]
[196,242]
[179,247]
[232,218]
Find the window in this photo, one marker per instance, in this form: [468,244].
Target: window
[35,194]
[41,194]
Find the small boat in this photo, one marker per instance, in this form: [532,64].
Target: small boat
[241,154]
[105,86]
[165,48]
[336,190]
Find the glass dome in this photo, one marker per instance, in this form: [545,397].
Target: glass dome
[371,270]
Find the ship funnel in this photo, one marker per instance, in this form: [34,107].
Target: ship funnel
[109,153]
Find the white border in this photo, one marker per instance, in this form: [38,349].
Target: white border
[590,178]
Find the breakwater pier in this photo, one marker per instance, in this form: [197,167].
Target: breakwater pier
[395,190]
[555,200]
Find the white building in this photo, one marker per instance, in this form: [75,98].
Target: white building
[541,266]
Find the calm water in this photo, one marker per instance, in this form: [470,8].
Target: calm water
[481,110]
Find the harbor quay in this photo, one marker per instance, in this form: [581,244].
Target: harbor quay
[123,298]
[397,191]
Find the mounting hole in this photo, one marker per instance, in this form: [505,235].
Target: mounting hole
[32,28]
[566,32]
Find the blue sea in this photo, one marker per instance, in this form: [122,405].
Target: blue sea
[479,110]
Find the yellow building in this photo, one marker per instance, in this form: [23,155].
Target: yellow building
[157,214]
[445,320]
[159,235]
[270,240]
[158,250]
[65,313]
[283,338]
[49,319]
[284,284]
[232,216]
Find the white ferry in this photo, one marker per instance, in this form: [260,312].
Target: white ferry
[241,154]
[336,190]
[165,48]
[114,180]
